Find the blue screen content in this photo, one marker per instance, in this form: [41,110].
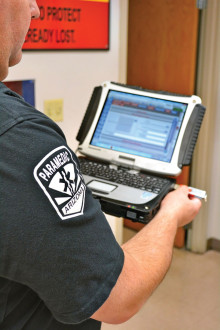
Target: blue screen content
[139,125]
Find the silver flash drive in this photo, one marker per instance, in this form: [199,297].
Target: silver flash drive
[201,194]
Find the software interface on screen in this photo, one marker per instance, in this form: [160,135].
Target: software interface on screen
[139,125]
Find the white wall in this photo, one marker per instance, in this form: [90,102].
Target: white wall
[72,75]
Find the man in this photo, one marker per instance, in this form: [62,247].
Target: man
[65,274]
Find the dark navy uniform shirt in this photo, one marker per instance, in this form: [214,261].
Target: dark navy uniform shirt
[58,257]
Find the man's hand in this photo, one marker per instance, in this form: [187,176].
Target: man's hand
[180,206]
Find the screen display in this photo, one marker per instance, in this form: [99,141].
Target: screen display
[139,125]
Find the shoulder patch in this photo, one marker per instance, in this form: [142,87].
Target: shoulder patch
[58,176]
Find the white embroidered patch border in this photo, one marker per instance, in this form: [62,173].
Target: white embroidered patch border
[59,178]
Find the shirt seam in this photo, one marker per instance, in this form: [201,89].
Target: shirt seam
[12,122]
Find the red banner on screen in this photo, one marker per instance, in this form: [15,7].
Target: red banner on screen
[70,24]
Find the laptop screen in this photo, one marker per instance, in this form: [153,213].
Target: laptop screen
[139,125]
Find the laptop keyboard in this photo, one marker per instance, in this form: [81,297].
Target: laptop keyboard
[122,176]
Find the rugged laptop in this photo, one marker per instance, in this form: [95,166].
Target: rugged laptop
[132,143]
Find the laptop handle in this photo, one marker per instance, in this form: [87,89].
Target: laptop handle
[138,88]
[191,134]
[89,114]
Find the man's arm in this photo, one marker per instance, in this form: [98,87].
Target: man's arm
[147,258]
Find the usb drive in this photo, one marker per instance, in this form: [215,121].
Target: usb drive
[194,192]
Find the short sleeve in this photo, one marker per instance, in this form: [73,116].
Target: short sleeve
[53,234]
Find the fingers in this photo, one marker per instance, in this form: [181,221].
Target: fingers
[197,203]
[193,201]
[180,206]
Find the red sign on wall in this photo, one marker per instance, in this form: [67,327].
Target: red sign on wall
[70,24]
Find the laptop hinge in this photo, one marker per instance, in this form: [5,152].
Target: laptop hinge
[126,161]
[130,159]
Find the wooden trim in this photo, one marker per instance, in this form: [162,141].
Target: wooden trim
[213,244]
[133,225]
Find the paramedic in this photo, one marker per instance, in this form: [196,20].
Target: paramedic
[60,266]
